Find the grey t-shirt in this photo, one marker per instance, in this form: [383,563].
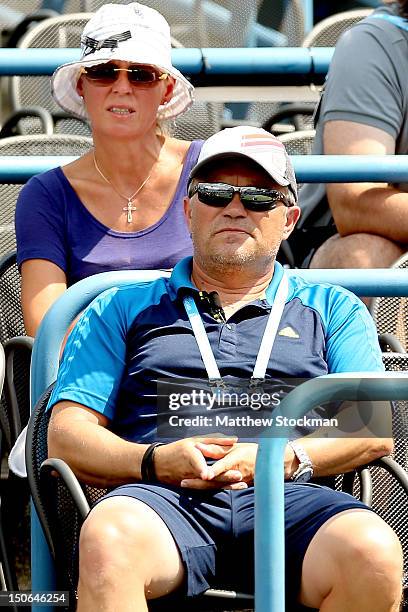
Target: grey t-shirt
[367,83]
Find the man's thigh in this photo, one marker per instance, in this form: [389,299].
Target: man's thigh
[130,534]
[214,532]
[307,507]
[199,523]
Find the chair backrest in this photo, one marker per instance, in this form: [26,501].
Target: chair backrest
[11,317]
[15,407]
[290,22]
[13,11]
[15,398]
[4,424]
[299,142]
[184,17]
[389,497]
[391,313]
[202,119]
[219,23]
[30,145]
[2,367]
[327,32]
[55,507]
[293,22]
[390,500]
[58,32]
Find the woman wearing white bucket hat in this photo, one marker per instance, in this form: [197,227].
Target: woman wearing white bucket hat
[120,205]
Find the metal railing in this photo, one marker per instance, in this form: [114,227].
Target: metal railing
[208,66]
[308,168]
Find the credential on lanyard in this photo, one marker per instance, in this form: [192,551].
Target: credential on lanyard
[265,349]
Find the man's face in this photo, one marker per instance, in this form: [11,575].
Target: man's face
[234,236]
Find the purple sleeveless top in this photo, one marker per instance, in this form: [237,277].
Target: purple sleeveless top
[52,223]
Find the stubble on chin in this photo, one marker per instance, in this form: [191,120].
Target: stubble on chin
[224,263]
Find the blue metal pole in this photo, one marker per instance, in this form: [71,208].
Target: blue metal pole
[270,551]
[308,168]
[386,282]
[192,62]
[308,15]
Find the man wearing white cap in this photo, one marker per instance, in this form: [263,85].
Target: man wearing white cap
[179,517]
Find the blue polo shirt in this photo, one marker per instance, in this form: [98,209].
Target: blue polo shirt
[129,337]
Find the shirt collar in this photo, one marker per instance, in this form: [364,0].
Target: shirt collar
[181,279]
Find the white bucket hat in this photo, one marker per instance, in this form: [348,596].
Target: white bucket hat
[253,143]
[129,32]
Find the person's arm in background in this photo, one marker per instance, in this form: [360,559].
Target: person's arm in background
[374,208]
[41,247]
[363,112]
[42,282]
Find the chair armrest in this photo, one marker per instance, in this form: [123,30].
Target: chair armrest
[288,111]
[395,469]
[10,346]
[365,480]
[70,481]
[388,340]
[9,127]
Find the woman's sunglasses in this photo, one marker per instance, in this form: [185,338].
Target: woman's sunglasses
[106,74]
[258,199]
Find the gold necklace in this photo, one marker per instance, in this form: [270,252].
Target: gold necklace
[128,208]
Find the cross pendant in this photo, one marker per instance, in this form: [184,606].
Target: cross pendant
[129,209]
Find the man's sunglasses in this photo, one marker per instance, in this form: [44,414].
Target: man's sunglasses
[106,74]
[258,199]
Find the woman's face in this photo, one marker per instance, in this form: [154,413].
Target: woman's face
[125,107]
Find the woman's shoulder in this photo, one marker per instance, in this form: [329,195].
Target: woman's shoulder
[47,181]
[182,147]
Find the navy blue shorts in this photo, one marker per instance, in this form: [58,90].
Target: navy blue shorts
[214,530]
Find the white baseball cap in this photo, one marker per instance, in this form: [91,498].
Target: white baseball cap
[253,143]
[129,32]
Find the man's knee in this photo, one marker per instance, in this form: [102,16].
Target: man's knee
[360,554]
[357,251]
[122,539]
[376,549]
[110,535]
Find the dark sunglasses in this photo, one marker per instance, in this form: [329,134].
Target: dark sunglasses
[106,74]
[258,199]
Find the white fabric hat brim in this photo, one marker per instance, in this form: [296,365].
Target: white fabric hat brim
[64,89]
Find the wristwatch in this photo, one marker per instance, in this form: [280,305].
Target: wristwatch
[304,471]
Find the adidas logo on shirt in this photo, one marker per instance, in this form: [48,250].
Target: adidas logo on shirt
[289,332]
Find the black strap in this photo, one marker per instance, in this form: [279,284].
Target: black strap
[92,45]
[147,470]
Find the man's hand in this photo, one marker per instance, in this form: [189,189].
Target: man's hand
[233,471]
[185,459]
